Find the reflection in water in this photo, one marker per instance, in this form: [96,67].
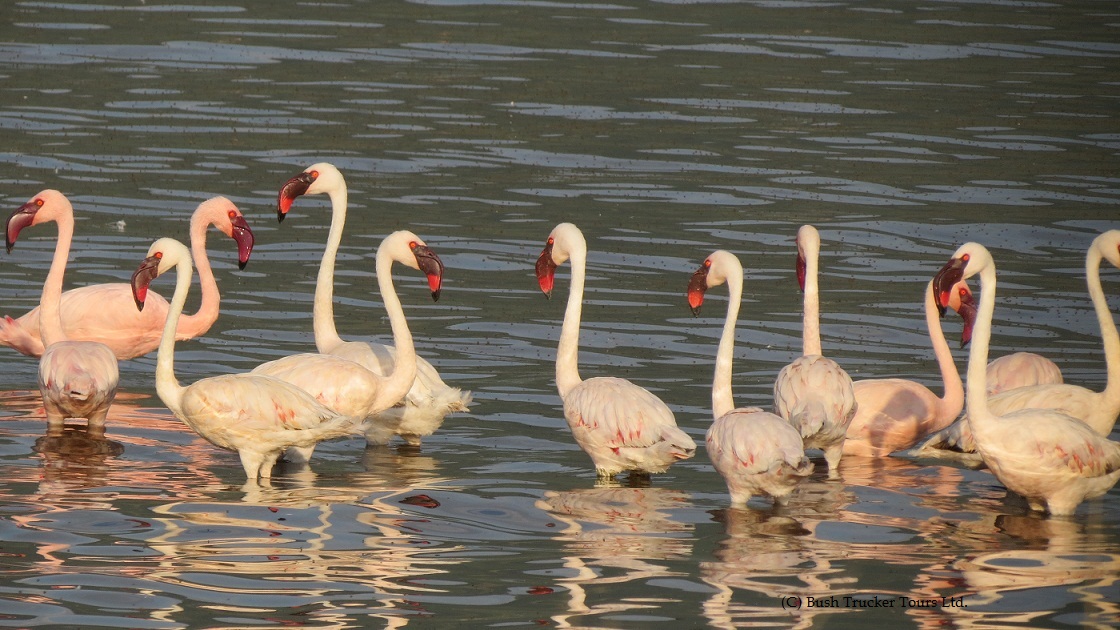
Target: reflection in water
[616,540]
[75,457]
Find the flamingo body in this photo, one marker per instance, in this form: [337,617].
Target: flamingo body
[429,400]
[257,416]
[1054,460]
[624,427]
[1021,369]
[347,386]
[621,426]
[756,452]
[77,379]
[893,413]
[813,393]
[105,312]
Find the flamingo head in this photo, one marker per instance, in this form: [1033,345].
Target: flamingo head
[801,268]
[697,285]
[321,177]
[143,277]
[41,208]
[243,236]
[293,188]
[947,278]
[965,306]
[430,265]
[808,245]
[546,268]
[21,218]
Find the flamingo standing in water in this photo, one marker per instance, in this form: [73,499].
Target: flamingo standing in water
[104,312]
[621,426]
[1099,410]
[813,393]
[348,387]
[894,413]
[1051,458]
[257,416]
[430,399]
[77,379]
[755,451]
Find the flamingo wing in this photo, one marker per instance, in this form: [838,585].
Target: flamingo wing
[752,441]
[815,395]
[615,413]
[335,382]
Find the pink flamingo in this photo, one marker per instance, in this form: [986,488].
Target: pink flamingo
[78,379]
[348,387]
[104,312]
[257,416]
[1053,459]
[621,426]
[755,451]
[894,413]
[430,399]
[1096,409]
[813,393]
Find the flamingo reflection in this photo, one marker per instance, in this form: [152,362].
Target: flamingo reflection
[616,535]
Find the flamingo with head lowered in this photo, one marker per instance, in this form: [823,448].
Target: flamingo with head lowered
[894,413]
[348,387]
[429,399]
[1098,410]
[621,426]
[1051,458]
[258,416]
[813,393]
[78,379]
[104,312]
[755,451]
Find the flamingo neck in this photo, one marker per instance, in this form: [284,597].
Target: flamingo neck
[567,351]
[167,386]
[207,313]
[952,400]
[50,317]
[723,401]
[326,335]
[1109,335]
[394,387]
[811,309]
[977,395]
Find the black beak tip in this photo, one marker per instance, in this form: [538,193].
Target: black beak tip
[695,311]
[139,304]
[435,295]
[280,216]
[241,264]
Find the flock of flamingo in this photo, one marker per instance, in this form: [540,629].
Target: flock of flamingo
[1043,439]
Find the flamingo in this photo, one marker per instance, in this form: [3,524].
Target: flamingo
[1099,410]
[1051,458]
[257,416]
[813,393]
[894,413]
[621,426]
[1021,369]
[78,379]
[348,387]
[104,312]
[755,451]
[430,399]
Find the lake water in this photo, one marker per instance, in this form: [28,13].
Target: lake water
[665,130]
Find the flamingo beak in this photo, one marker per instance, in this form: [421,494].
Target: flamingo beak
[21,218]
[697,285]
[243,236]
[967,310]
[293,188]
[943,282]
[432,267]
[142,277]
[546,271]
[802,267]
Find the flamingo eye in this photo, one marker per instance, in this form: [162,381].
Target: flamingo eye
[413,244]
[158,255]
[551,240]
[962,292]
[708,263]
[39,202]
[966,257]
[232,214]
[314,174]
